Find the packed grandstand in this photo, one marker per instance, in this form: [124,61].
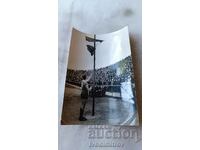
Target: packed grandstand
[106,79]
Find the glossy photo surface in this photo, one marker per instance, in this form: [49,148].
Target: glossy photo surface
[100,84]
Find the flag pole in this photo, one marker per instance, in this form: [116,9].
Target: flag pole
[94,91]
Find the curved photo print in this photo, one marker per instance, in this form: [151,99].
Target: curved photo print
[100,85]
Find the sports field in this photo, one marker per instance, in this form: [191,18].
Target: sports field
[108,110]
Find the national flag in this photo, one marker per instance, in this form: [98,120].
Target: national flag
[91,49]
[89,39]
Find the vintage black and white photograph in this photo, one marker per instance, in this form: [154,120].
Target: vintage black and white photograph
[100,83]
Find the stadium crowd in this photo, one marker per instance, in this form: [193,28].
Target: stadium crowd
[106,79]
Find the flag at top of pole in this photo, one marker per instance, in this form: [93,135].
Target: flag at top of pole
[89,39]
[91,48]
